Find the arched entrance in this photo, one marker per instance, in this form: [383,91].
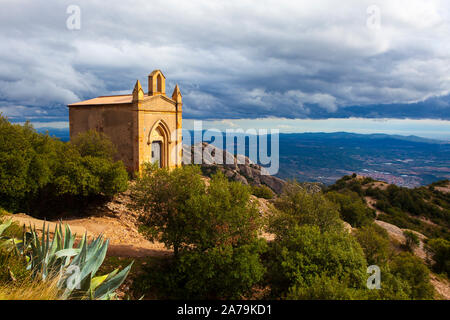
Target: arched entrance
[158,142]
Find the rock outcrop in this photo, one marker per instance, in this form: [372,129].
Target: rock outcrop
[238,168]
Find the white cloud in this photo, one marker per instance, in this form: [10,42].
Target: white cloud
[231,58]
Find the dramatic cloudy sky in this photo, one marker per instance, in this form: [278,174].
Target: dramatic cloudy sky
[232,59]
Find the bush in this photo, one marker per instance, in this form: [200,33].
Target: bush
[262,192]
[402,205]
[326,288]
[181,212]
[304,254]
[440,249]
[39,174]
[410,269]
[20,163]
[297,207]
[352,208]
[393,287]
[375,243]
[221,272]
[441,183]
[213,231]
[12,268]
[412,240]
[163,196]
[95,144]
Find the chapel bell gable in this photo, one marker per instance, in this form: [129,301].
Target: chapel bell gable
[156,83]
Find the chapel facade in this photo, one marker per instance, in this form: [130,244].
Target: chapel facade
[144,127]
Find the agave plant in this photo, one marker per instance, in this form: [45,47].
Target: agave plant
[75,266]
[4,226]
[6,242]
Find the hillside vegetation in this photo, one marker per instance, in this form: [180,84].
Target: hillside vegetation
[307,243]
[41,175]
[423,210]
[220,252]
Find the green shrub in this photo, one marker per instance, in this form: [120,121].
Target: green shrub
[352,208]
[367,180]
[441,183]
[40,174]
[162,196]
[403,205]
[374,241]
[297,207]
[181,212]
[326,288]
[412,270]
[19,163]
[262,192]
[440,249]
[12,268]
[95,144]
[305,253]
[412,240]
[393,287]
[221,272]
[213,231]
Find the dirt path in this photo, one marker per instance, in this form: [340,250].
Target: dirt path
[444,189]
[442,286]
[114,221]
[118,224]
[371,202]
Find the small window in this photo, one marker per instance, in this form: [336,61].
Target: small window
[159,83]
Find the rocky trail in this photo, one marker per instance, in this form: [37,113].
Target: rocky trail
[115,221]
[442,286]
[118,224]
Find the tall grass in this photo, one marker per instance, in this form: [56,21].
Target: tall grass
[16,282]
[30,290]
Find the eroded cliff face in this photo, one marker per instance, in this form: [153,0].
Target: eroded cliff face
[238,168]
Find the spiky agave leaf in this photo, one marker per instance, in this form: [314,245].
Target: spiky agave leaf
[105,290]
[96,281]
[5,226]
[59,256]
[95,261]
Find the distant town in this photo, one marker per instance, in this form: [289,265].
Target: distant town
[326,157]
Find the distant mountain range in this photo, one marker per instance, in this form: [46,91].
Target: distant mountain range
[373,136]
[325,157]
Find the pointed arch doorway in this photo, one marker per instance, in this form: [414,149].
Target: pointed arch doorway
[158,142]
[156,153]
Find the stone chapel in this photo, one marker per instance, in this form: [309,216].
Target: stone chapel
[145,127]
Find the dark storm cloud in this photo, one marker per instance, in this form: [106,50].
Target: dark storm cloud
[232,59]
